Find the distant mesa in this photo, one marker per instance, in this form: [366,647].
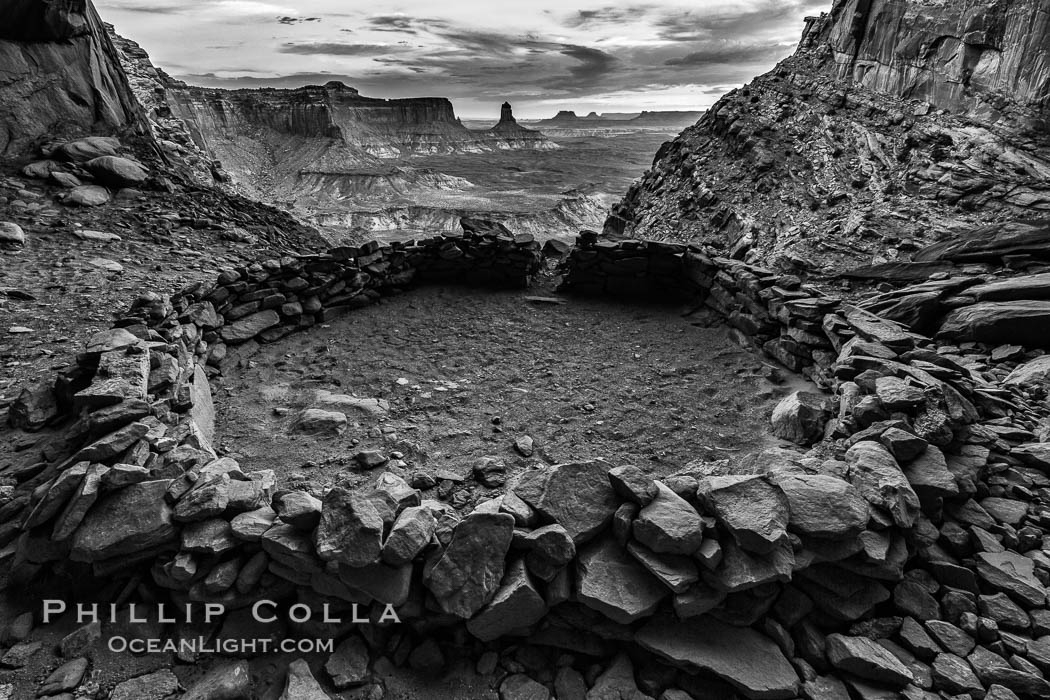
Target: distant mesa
[566,115]
[660,118]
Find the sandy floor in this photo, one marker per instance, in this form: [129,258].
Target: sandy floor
[466,375]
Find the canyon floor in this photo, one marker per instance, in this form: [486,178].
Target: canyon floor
[546,193]
[466,375]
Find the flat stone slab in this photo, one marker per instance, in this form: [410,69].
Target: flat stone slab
[611,581]
[750,661]
[132,520]
[250,326]
[1023,322]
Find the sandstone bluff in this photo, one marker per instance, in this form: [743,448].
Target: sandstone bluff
[893,545]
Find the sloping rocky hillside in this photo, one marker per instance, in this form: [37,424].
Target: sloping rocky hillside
[897,123]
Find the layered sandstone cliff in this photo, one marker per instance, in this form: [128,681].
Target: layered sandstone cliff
[987,59]
[60,76]
[358,127]
[897,123]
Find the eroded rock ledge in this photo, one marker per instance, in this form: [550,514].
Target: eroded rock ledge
[901,554]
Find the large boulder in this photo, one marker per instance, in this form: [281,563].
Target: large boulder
[116,171]
[800,417]
[929,475]
[577,496]
[133,520]
[516,606]
[823,506]
[669,524]
[754,510]
[1013,288]
[1022,322]
[244,329]
[748,660]
[614,583]
[85,149]
[88,196]
[550,549]
[878,478]
[411,532]
[1012,574]
[1034,374]
[467,574]
[351,529]
[740,570]
[865,658]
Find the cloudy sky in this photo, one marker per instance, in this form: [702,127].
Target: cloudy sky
[542,55]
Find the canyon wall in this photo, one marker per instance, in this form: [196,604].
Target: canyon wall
[894,125]
[61,76]
[976,57]
[362,128]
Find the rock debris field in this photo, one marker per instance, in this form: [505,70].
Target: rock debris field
[458,390]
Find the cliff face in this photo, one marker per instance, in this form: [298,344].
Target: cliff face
[373,127]
[971,56]
[271,141]
[60,76]
[896,123]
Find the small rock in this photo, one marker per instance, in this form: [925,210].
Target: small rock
[88,196]
[12,233]
[800,418]
[348,664]
[106,264]
[301,684]
[229,681]
[158,685]
[524,446]
[298,508]
[490,472]
[64,678]
[520,687]
[316,420]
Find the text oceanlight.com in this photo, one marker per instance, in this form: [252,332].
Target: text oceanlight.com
[200,645]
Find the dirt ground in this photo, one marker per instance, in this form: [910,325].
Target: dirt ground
[65,284]
[467,374]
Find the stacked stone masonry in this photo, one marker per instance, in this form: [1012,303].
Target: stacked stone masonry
[902,555]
